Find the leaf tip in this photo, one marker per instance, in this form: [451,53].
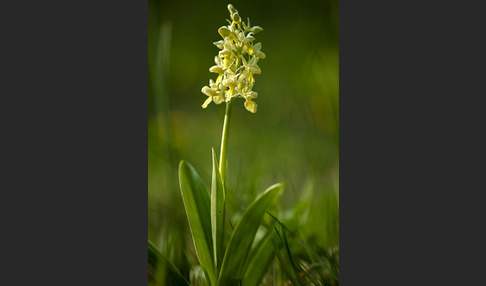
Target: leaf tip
[215,161]
[278,186]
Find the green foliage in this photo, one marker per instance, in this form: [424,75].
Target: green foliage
[259,260]
[217,213]
[308,263]
[243,236]
[197,204]
[162,270]
[202,221]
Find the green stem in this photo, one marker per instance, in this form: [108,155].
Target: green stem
[223,162]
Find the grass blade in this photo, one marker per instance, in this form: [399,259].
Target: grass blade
[295,268]
[283,264]
[217,213]
[157,261]
[197,205]
[242,238]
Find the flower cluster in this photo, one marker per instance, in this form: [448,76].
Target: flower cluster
[235,72]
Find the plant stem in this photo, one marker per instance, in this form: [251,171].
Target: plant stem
[224,143]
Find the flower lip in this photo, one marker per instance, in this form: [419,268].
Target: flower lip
[251,106]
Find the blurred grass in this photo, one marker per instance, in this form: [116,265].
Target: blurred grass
[293,138]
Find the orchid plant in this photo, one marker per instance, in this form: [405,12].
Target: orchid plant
[243,260]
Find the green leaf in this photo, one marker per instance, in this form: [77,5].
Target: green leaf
[157,261]
[217,213]
[197,204]
[259,259]
[242,238]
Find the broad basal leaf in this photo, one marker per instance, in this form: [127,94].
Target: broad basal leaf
[197,204]
[259,259]
[242,238]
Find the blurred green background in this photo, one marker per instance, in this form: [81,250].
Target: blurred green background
[293,138]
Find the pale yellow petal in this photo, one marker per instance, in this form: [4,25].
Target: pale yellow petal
[217,60]
[225,53]
[257,46]
[252,94]
[219,44]
[207,102]
[224,31]
[216,69]
[255,69]
[249,39]
[206,90]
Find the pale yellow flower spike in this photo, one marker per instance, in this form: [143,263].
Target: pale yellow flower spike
[236,63]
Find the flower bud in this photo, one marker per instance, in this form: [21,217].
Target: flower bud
[256,29]
[232,9]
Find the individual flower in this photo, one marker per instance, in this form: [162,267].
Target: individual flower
[213,92]
[248,95]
